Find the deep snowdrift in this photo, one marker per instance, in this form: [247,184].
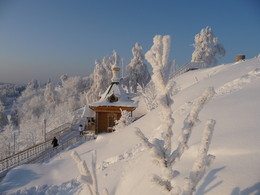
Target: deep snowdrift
[124,166]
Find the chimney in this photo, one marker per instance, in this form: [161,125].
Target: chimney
[240,58]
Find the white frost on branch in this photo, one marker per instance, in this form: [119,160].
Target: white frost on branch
[202,162]
[89,178]
[189,123]
[158,56]
[149,95]
[163,154]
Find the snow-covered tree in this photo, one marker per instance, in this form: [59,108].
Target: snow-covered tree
[107,63]
[72,92]
[148,93]
[49,95]
[3,117]
[102,75]
[99,82]
[63,79]
[14,115]
[125,120]
[157,56]
[137,72]
[6,141]
[207,47]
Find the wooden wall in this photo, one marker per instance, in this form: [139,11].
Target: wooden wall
[103,114]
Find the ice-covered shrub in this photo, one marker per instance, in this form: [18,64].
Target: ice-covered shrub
[125,120]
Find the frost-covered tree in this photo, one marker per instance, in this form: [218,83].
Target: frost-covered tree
[14,115]
[125,120]
[50,103]
[72,91]
[9,93]
[137,72]
[157,56]
[6,141]
[99,82]
[207,47]
[3,117]
[102,75]
[107,62]
[148,93]
[63,79]
[49,95]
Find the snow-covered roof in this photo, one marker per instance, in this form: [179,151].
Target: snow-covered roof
[121,98]
[115,95]
[85,112]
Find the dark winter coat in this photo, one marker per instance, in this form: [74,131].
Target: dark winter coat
[54,142]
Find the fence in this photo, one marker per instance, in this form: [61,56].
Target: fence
[61,129]
[65,128]
[40,151]
[37,153]
[23,156]
[187,67]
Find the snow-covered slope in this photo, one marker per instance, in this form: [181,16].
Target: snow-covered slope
[124,166]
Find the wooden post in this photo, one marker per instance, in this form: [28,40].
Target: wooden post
[44,129]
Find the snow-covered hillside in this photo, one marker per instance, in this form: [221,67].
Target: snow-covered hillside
[125,166]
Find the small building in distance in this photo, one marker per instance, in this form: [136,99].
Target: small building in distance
[108,107]
[85,117]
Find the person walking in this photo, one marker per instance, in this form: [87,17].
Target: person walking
[80,129]
[55,142]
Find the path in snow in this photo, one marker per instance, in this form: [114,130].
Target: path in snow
[226,89]
[239,83]
[131,153]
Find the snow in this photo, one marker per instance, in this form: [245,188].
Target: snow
[85,112]
[125,166]
[123,98]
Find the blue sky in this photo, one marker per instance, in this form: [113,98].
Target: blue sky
[47,38]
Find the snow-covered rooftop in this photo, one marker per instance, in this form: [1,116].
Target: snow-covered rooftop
[115,95]
[116,90]
[85,112]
